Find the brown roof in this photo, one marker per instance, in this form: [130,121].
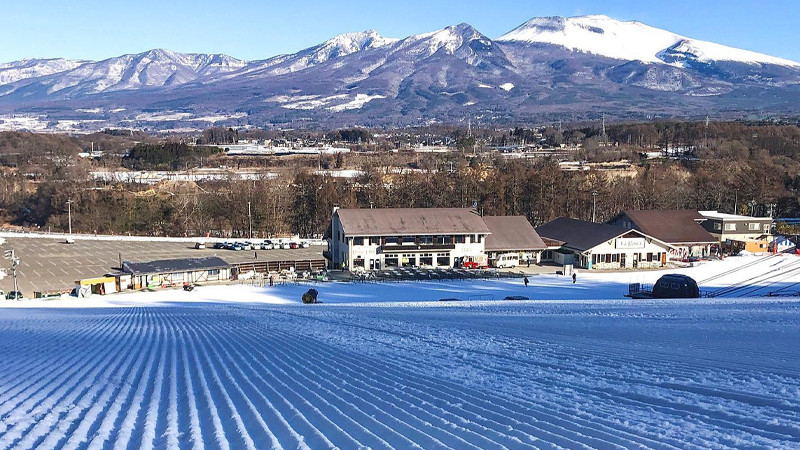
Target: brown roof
[672,226]
[511,233]
[402,221]
[579,234]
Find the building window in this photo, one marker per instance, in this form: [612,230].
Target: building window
[391,241]
[408,260]
[718,226]
[409,240]
[594,259]
[213,272]
[358,262]
[730,227]
[374,241]
[460,239]
[443,259]
[391,261]
[426,239]
[649,257]
[426,259]
[442,240]
[615,258]
[358,241]
[753,226]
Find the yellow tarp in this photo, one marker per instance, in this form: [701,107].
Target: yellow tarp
[99,280]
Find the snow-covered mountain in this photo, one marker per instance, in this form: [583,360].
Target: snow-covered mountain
[336,47]
[570,68]
[604,36]
[32,68]
[151,69]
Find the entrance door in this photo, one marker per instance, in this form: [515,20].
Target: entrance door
[622,260]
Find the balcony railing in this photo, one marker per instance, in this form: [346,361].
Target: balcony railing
[391,248]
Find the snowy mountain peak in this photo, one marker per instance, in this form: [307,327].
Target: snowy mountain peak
[450,39]
[628,41]
[358,41]
[32,68]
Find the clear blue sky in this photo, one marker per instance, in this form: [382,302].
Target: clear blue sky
[253,29]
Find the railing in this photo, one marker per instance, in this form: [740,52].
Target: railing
[413,274]
[391,248]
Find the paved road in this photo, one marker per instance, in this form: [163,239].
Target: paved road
[48,264]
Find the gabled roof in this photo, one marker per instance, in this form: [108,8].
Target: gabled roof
[402,221]
[578,234]
[581,235]
[174,265]
[671,226]
[511,233]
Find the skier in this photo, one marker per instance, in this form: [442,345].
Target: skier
[526,281]
[574,277]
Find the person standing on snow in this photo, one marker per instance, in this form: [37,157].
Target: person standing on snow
[574,277]
[525,280]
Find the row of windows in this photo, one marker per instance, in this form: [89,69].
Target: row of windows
[418,240]
[609,258]
[752,226]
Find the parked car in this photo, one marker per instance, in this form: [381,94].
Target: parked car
[473,265]
[294,245]
[219,245]
[285,246]
[14,295]
[267,245]
[199,245]
[305,244]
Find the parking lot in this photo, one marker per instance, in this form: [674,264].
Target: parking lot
[51,264]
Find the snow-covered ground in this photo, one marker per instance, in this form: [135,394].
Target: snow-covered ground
[380,365]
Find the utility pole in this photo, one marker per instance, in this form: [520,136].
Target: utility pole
[736,202]
[250,220]
[69,214]
[594,206]
[14,264]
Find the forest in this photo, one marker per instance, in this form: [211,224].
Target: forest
[748,168]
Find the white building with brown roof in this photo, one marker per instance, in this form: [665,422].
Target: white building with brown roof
[680,228]
[512,241]
[395,237]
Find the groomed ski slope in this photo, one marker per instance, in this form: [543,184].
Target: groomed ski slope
[609,373]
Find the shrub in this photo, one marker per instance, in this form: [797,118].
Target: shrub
[310,296]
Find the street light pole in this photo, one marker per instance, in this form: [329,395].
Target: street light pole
[69,214]
[250,220]
[594,206]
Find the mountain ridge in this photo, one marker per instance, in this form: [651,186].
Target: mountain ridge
[546,67]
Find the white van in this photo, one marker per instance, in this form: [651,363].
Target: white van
[507,260]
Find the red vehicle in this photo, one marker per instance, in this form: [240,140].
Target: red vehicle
[294,245]
[473,265]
